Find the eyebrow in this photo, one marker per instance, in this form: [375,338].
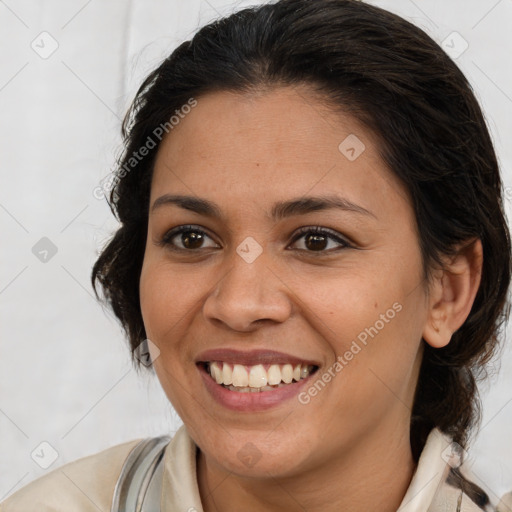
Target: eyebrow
[280,210]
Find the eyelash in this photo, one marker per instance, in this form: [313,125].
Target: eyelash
[167,238]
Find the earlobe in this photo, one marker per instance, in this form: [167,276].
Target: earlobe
[452,293]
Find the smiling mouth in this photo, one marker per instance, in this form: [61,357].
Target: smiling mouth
[257,378]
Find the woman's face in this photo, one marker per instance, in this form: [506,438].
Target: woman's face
[251,287]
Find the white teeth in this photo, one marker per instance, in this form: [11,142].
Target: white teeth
[228,374]
[255,390]
[240,376]
[287,373]
[274,375]
[255,378]
[296,373]
[216,373]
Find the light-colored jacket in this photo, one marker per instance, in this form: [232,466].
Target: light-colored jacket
[87,485]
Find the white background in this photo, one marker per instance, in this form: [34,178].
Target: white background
[65,373]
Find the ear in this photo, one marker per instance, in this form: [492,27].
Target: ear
[452,293]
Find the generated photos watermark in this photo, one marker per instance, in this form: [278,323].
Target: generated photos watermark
[109,182]
[356,346]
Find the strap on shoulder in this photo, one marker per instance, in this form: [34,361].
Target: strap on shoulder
[141,471]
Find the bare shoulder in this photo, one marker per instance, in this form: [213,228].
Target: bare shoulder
[84,485]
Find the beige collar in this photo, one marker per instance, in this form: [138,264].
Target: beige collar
[180,489]
[430,474]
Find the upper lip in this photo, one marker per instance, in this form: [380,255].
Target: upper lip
[250,358]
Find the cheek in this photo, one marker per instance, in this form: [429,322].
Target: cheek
[349,304]
[372,326]
[167,298]
[380,359]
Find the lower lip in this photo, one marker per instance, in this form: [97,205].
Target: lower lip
[251,402]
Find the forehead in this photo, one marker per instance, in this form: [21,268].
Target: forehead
[283,141]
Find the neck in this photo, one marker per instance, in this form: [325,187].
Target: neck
[372,476]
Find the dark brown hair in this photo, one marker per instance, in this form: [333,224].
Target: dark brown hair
[399,83]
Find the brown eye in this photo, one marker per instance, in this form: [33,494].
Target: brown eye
[320,240]
[315,242]
[186,238]
[192,239]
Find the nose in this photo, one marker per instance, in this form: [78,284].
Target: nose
[247,294]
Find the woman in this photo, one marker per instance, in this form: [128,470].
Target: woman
[314,255]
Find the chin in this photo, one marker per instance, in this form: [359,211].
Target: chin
[256,454]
